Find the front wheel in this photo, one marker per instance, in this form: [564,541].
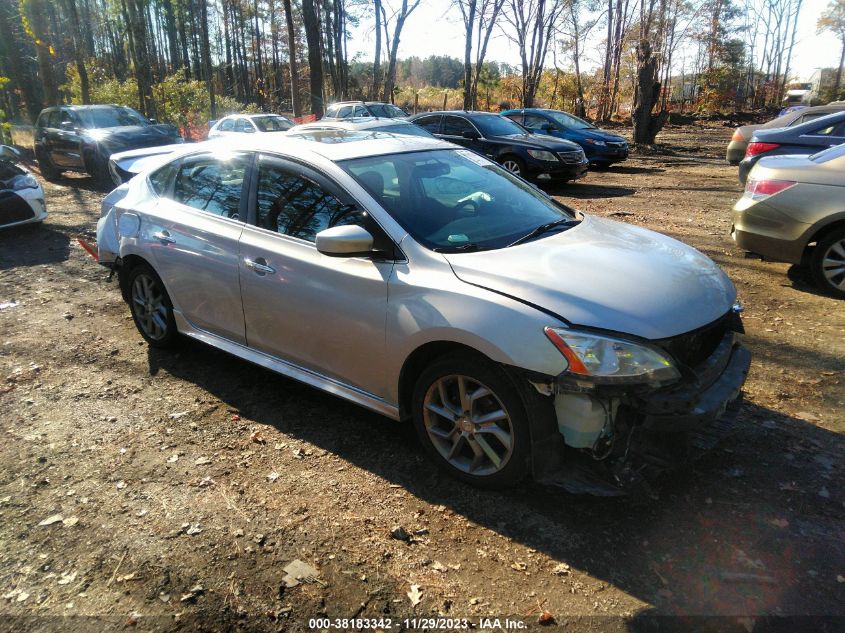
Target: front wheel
[828,263]
[151,307]
[46,166]
[514,165]
[471,420]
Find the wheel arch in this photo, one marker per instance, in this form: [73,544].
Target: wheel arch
[818,232]
[127,263]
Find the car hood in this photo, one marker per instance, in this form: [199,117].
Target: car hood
[136,135]
[600,135]
[539,141]
[607,275]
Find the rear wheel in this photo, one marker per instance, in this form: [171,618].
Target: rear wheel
[828,263]
[100,172]
[471,420]
[151,308]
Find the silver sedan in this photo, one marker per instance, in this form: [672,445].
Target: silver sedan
[426,283]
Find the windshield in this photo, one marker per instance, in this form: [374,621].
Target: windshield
[408,129]
[386,110]
[110,117]
[570,121]
[272,123]
[454,200]
[497,126]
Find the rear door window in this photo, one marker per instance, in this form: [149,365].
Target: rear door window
[227,125]
[456,126]
[212,183]
[344,113]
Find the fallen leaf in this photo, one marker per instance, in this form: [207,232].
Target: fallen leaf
[273,476]
[546,618]
[70,521]
[173,459]
[56,518]
[415,595]
[66,579]
[200,461]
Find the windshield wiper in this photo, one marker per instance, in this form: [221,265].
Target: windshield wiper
[545,228]
[469,246]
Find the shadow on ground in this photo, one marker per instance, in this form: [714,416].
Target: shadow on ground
[32,245]
[753,529]
[583,190]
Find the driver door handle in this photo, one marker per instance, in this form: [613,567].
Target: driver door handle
[259,266]
[164,236]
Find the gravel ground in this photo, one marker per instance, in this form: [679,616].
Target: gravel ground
[169,490]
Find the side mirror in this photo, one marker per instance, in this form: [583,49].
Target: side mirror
[344,241]
[153,121]
[249,130]
[471,135]
[68,125]
[548,127]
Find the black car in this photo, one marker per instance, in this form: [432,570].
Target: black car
[81,138]
[531,156]
[807,138]
[348,110]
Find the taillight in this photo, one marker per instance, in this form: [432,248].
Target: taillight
[758,148]
[737,136]
[761,189]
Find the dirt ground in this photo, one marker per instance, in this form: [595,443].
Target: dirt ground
[185,482]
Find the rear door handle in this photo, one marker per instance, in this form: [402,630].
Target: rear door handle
[164,236]
[259,266]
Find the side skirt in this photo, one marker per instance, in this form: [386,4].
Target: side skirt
[289,370]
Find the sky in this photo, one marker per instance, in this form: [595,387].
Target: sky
[437,29]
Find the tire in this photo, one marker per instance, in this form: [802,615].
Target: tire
[514,165]
[100,173]
[827,264]
[152,310]
[464,447]
[45,165]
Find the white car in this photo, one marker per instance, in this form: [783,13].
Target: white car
[21,196]
[250,124]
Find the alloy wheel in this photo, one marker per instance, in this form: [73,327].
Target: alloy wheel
[833,265]
[512,166]
[468,425]
[149,307]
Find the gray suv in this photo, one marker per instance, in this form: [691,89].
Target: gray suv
[427,283]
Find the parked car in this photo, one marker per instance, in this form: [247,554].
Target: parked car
[742,135]
[249,124]
[807,138]
[374,124]
[427,283]
[793,210]
[82,138]
[530,156]
[347,110]
[21,196]
[601,147]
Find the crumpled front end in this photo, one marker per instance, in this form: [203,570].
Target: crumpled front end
[617,438]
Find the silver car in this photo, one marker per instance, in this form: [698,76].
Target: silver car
[427,283]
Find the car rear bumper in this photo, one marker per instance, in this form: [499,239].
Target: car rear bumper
[762,230]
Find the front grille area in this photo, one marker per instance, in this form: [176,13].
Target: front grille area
[13,208]
[571,158]
[695,347]
[617,144]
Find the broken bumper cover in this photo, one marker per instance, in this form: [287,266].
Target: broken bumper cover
[655,431]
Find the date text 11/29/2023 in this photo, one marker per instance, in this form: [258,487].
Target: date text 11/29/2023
[429,624]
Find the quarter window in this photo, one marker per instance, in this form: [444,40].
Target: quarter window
[227,125]
[212,183]
[430,123]
[161,179]
[292,204]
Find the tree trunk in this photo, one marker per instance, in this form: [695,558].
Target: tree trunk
[78,54]
[294,71]
[18,70]
[374,91]
[206,57]
[315,59]
[647,124]
[43,49]
[170,27]
[469,23]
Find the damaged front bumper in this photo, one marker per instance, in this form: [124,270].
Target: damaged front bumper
[611,441]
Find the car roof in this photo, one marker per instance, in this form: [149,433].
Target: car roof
[253,115]
[798,130]
[467,113]
[331,144]
[363,123]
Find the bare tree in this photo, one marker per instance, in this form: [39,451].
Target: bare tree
[399,18]
[315,58]
[833,20]
[480,18]
[531,27]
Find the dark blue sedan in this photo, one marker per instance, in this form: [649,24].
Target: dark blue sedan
[602,148]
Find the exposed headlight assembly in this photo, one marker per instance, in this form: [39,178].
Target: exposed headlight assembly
[595,142]
[23,181]
[540,154]
[608,360]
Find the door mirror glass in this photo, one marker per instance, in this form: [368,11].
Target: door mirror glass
[68,125]
[471,134]
[346,240]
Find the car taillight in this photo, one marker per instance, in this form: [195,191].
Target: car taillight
[758,148]
[737,136]
[761,189]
